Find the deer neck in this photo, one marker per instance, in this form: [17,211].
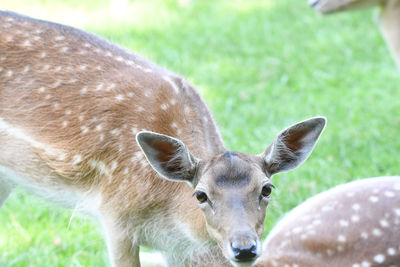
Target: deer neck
[390,26]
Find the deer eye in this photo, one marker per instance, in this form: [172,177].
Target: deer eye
[201,196]
[266,190]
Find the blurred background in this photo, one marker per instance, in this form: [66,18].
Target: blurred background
[261,66]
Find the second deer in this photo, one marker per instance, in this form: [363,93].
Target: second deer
[352,225]
[389,18]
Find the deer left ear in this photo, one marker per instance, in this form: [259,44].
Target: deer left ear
[168,156]
[293,145]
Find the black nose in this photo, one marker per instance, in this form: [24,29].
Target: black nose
[247,253]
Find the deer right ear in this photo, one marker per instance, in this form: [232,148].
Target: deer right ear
[168,156]
[293,145]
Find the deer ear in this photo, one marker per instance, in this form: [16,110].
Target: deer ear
[293,145]
[168,156]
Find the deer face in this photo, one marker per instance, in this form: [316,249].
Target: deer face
[233,189]
[233,192]
[331,6]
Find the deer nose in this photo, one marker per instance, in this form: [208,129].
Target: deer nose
[244,253]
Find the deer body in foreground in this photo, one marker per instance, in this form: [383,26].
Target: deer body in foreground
[93,127]
[352,225]
[389,18]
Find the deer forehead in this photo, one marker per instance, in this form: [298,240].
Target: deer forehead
[233,170]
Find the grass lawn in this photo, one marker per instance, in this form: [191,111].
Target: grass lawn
[261,66]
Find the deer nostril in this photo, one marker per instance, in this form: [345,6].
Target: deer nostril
[244,253]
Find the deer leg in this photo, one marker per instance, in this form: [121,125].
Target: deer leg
[122,250]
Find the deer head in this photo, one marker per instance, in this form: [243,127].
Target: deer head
[233,189]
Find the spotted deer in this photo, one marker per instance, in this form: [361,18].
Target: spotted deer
[93,127]
[389,18]
[352,225]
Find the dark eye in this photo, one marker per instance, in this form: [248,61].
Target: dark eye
[266,190]
[201,196]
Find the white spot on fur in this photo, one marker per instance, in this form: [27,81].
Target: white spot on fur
[120,59]
[99,127]
[114,165]
[379,258]
[356,207]
[119,97]
[115,132]
[164,106]
[99,86]
[341,238]
[111,86]
[64,49]
[397,212]
[343,223]
[77,159]
[173,101]
[64,124]
[373,199]
[376,232]
[68,112]
[82,67]
[43,54]
[41,89]
[99,166]
[84,90]
[355,218]
[26,68]
[326,208]
[140,109]
[84,129]
[9,73]
[59,38]
[297,230]
[365,264]
[27,43]
[384,223]
[391,251]
[389,194]
[364,235]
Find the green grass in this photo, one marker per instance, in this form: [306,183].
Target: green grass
[261,66]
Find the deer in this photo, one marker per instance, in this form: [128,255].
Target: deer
[95,128]
[389,18]
[356,224]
